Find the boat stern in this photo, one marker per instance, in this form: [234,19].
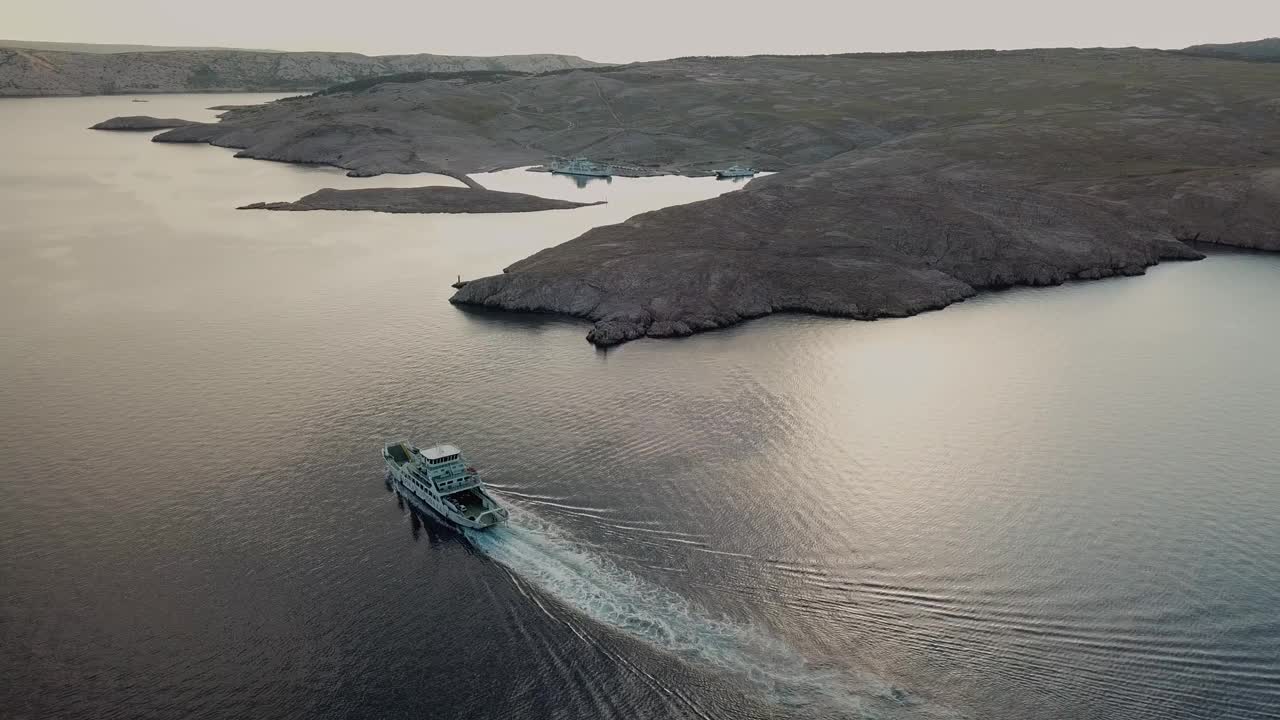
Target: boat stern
[492,517]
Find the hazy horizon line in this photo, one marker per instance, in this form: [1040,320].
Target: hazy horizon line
[13,43]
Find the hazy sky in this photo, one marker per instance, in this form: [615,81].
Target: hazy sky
[641,29]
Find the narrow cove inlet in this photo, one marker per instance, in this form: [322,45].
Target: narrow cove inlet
[234,480]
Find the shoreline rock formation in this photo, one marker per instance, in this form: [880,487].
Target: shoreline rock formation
[421,200]
[879,242]
[904,181]
[141,122]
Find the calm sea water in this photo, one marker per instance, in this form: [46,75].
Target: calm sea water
[1058,503]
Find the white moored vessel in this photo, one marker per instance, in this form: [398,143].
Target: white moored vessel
[439,477]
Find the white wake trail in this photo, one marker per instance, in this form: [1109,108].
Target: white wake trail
[600,589]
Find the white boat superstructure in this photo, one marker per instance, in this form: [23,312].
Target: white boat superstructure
[439,477]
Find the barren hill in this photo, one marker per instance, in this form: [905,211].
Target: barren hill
[906,181]
[27,72]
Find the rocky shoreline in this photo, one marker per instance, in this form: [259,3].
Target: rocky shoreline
[902,184]
[770,248]
[421,200]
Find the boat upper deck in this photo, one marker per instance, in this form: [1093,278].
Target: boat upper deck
[441,452]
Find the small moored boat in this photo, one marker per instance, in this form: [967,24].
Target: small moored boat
[735,171]
[580,166]
[439,477]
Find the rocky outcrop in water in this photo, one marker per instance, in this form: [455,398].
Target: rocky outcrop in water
[140,122]
[33,72]
[421,200]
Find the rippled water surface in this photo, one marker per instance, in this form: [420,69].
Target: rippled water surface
[1037,504]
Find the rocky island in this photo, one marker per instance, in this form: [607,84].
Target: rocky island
[421,200]
[141,122]
[904,181]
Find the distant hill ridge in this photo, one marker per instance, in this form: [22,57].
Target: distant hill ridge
[1265,50]
[27,72]
[29,68]
[98,48]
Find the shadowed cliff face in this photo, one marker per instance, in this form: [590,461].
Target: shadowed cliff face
[906,183]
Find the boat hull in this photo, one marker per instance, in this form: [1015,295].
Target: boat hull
[582,174]
[408,486]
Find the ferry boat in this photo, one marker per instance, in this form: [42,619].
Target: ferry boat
[439,477]
[580,166]
[735,171]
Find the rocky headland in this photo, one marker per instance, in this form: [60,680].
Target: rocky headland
[904,182]
[421,200]
[906,244]
[141,122]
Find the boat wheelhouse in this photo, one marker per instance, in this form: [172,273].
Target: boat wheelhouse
[440,477]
